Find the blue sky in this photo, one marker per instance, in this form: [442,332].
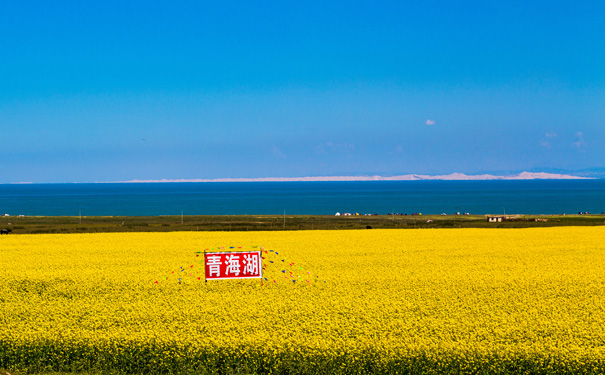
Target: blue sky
[113,90]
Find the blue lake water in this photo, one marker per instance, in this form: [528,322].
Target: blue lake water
[302,198]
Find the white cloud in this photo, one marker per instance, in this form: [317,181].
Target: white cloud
[544,143]
[551,134]
[430,122]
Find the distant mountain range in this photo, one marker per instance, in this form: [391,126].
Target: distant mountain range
[407,177]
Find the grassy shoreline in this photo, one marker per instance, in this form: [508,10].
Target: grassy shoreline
[97,224]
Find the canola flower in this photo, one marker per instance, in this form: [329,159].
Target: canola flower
[378,301]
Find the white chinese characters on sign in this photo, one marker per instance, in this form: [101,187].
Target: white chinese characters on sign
[251,264]
[233,265]
[214,265]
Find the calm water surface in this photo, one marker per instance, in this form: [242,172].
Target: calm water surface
[317,198]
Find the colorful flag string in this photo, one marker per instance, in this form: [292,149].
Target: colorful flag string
[291,271]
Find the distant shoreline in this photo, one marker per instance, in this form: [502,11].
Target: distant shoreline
[407,177]
[523,176]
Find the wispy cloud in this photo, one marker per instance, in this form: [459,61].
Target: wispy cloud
[330,146]
[546,141]
[579,142]
[430,122]
[277,153]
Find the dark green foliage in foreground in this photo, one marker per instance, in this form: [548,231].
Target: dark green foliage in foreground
[47,358]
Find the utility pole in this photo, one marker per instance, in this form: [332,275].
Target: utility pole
[284,219]
[181,217]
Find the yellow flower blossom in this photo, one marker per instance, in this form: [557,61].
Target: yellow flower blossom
[371,301]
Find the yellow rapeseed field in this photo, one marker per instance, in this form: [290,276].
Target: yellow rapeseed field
[372,301]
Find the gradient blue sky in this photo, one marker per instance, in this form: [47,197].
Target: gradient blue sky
[115,90]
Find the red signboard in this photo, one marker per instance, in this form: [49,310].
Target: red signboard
[233,265]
